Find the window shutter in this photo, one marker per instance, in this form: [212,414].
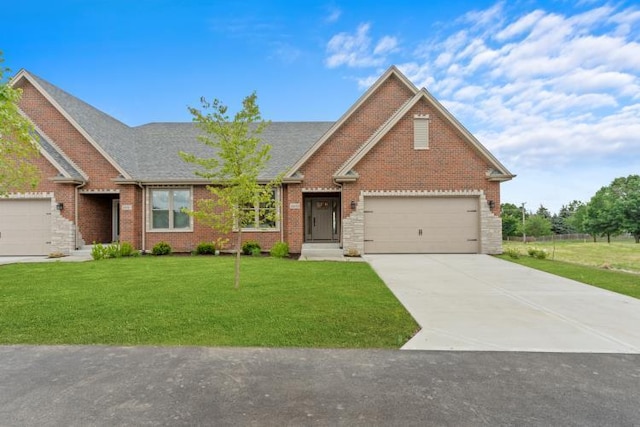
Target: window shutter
[421,132]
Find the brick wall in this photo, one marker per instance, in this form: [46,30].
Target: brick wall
[450,164]
[94,213]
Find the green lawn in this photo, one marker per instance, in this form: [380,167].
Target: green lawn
[620,255]
[584,262]
[191,301]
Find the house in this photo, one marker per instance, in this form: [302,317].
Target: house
[396,173]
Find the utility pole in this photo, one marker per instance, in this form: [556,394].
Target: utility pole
[524,233]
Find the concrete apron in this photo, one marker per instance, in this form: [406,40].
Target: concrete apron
[478,302]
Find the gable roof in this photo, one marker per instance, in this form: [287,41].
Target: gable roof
[498,173]
[391,71]
[108,135]
[149,153]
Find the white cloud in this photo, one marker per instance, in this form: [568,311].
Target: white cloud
[334,14]
[385,45]
[354,50]
[545,90]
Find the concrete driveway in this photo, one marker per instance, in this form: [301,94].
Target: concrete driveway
[478,302]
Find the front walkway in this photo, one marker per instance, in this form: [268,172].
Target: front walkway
[478,302]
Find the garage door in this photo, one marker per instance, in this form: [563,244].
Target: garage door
[25,227]
[421,225]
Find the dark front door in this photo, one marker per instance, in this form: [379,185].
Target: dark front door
[321,219]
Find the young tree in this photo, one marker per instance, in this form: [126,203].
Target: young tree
[17,143]
[238,158]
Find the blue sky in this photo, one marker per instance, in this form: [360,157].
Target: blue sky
[552,88]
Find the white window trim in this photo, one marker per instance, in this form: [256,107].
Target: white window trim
[149,213]
[420,120]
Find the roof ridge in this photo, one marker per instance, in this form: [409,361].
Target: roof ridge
[374,134]
[111,137]
[40,80]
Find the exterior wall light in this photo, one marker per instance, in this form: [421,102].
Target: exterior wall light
[492,204]
[353,204]
[60,206]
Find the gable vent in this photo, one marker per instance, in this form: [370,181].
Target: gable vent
[421,132]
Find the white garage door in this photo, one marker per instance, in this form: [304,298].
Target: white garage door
[421,225]
[25,227]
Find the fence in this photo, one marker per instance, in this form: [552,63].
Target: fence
[577,236]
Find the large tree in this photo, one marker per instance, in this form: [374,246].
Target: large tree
[511,220]
[17,144]
[602,216]
[627,203]
[238,157]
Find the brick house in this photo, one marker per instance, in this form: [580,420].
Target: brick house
[396,173]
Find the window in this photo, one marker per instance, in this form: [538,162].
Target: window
[166,209]
[261,215]
[421,132]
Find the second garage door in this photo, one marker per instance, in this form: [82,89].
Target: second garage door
[25,227]
[421,225]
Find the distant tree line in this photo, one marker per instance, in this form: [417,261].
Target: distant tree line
[613,210]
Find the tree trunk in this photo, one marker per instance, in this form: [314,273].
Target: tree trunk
[238,249]
[608,238]
[637,236]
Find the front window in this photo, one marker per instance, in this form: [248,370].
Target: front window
[261,215]
[166,209]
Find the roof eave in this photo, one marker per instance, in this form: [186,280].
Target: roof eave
[67,180]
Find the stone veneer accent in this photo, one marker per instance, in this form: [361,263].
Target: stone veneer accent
[490,224]
[62,230]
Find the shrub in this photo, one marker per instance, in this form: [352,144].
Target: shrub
[537,253]
[255,251]
[161,248]
[206,248]
[280,250]
[250,246]
[512,252]
[114,250]
[98,251]
[126,250]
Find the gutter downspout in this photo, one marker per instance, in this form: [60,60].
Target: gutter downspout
[341,210]
[282,210]
[143,228]
[76,216]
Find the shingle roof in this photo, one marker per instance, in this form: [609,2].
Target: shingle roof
[161,142]
[150,152]
[112,135]
[58,156]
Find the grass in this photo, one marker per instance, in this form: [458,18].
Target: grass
[619,255]
[584,262]
[191,301]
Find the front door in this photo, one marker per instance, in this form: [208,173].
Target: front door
[321,219]
[115,220]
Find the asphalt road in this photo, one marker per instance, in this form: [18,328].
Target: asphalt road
[97,385]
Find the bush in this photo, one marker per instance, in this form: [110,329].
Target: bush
[255,252]
[280,250]
[537,253]
[126,249]
[206,248]
[250,246]
[512,252]
[98,251]
[161,248]
[114,250]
